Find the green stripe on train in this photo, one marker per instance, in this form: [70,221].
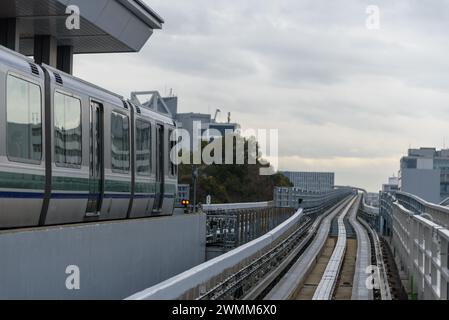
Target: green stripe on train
[70,184]
[145,188]
[117,186]
[10,180]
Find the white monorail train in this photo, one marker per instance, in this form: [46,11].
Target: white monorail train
[72,152]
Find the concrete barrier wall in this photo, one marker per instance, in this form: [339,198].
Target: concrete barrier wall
[177,286]
[115,259]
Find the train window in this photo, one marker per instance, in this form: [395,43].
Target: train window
[68,142]
[143,148]
[172,144]
[24,120]
[120,143]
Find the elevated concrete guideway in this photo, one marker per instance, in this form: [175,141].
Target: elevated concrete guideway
[38,28]
[248,271]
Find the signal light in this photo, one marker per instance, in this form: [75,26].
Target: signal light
[185,202]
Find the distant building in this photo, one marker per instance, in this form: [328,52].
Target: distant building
[183,194]
[311,181]
[372,199]
[172,104]
[222,128]
[287,197]
[392,185]
[393,181]
[187,122]
[204,122]
[191,122]
[425,173]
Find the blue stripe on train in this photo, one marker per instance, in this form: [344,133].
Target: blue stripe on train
[21,195]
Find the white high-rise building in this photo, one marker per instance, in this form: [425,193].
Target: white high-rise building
[425,173]
[392,185]
[311,181]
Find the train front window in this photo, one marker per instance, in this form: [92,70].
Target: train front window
[143,148]
[68,142]
[120,143]
[24,120]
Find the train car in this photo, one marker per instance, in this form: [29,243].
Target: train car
[72,152]
[163,178]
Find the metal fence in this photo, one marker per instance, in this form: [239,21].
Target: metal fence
[369,213]
[297,198]
[232,225]
[230,228]
[385,213]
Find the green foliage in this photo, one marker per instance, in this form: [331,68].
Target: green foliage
[233,183]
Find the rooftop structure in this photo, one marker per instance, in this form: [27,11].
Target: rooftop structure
[151,100]
[48,29]
[202,124]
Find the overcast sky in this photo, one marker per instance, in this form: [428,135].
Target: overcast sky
[344,98]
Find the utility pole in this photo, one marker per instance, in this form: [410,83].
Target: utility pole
[194,178]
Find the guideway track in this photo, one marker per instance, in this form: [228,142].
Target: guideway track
[234,286]
[326,287]
[268,282]
[338,267]
[286,288]
[360,291]
[253,281]
[384,291]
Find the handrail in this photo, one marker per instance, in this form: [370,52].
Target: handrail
[422,246]
[424,202]
[236,206]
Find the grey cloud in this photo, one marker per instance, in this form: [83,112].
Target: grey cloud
[307,67]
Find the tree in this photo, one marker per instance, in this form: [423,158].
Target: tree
[233,183]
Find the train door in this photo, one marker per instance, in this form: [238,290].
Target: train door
[160,167]
[96,163]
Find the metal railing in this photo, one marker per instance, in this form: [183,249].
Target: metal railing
[420,239]
[230,226]
[369,213]
[385,213]
[422,248]
[435,212]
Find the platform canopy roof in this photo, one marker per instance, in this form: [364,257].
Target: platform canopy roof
[106,25]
